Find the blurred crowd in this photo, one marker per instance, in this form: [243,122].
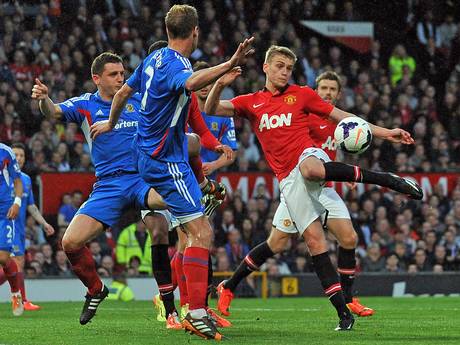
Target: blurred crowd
[409,78]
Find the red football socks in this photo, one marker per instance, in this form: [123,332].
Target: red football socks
[11,273]
[195,265]
[84,267]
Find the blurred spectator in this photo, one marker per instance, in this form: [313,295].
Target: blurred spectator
[398,61]
[426,30]
[134,243]
[62,264]
[392,264]
[69,207]
[49,264]
[447,31]
[119,289]
[373,262]
[421,261]
[95,249]
[236,249]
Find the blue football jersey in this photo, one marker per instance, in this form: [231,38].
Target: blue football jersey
[160,79]
[110,151]
[27,199]
[223,128]
[9,171]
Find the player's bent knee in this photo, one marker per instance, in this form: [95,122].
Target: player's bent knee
[350,241]
[277,241]
[312,169]
[316,244]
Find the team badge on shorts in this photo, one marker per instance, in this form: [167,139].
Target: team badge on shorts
[214,126]
[287,222]
[290,99]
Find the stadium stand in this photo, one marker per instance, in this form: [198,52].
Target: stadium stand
[412,82]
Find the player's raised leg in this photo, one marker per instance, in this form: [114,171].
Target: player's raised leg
[82,229]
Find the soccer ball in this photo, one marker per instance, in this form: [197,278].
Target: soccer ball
[353,135]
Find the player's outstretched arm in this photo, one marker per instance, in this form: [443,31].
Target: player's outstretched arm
[213,104]
[396,135]
[35,213]
[13,212]
[222,161]
[201,78]
[118,104]
[46,105]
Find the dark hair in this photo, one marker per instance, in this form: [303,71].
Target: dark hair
[19,146]
[157,45]
[97,67]
[329,75]
[181,20]
[199,65]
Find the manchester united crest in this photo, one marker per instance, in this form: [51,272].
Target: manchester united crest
[290,99]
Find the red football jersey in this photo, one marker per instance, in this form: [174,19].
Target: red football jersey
[280,122]
[322,133]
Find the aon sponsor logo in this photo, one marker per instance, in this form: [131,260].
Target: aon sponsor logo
[125,124]
[274,121]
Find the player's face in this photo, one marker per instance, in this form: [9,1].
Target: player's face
[203,92]
[112,78]
[279,70]
[20,156]
[328,90]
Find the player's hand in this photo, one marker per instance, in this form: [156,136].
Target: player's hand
[208,168]
[99,128]
[399,135]
[230,76]
[242,52]
[39,90]
[13,212]
[226,150]
[351,185]
[49,230]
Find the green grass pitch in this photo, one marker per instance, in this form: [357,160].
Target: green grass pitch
[255,321]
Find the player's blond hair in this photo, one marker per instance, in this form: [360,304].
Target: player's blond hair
[181,20]
[279,50]
[329,75]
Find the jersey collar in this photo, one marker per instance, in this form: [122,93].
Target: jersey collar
[283,90]
[99,98]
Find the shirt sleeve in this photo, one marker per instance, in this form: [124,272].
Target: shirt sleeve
[74,109]
[240,103]
[13,167]
[229,137]
[30,198]
[178,73]
[134,81]
[312,103]
[196,121]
